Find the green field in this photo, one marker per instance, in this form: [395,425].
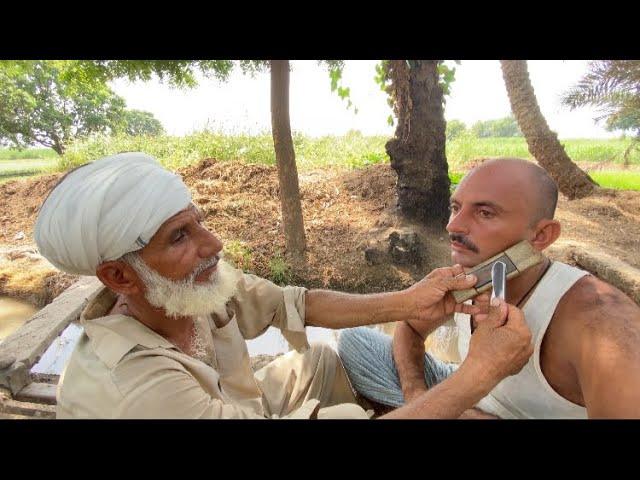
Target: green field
[617,179]
[28,153]
[13,169]
[464,149]
[352,150]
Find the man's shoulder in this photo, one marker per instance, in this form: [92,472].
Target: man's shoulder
[596,309]
[591,295]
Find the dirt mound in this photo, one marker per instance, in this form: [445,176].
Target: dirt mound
[241,204]
[608,220]
[19,203]
[343,211]
[27,276]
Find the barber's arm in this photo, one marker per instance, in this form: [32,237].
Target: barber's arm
[427,303]
[408,354]
[500,346]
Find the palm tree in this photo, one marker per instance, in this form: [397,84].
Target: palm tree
[614,87]
[543,144]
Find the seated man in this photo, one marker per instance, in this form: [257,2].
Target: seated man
[166,336]
[586,333]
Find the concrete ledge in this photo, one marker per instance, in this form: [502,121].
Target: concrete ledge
[24,347]
[606,267]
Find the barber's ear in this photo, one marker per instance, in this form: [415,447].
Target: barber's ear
[119,277]
[545,233]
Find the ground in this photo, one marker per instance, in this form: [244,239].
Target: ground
[344,213]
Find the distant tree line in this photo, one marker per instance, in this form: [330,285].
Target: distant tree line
[501,127]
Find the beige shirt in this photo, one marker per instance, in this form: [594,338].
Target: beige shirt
[120,368]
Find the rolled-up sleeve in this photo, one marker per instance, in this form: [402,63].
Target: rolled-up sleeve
[259,304]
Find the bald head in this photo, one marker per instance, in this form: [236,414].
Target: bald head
[532,180]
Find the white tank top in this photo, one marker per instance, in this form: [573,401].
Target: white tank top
[528,394]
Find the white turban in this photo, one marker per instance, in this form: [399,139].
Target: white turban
[105,209]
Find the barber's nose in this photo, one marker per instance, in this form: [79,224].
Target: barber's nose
[210,246]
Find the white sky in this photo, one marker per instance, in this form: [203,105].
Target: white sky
[242,104]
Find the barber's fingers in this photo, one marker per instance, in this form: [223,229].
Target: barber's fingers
[460,282]
[480,305]
[446,272]
[515,318]
[482,301]
[496,317]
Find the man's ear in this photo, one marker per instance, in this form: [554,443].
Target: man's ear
[545,233]
[119,277]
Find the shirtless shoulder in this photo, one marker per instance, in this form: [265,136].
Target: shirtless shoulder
[591,312]
[593,307]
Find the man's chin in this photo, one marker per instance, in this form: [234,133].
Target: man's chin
[467,260]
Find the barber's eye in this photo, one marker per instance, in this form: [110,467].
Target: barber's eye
[486,213]
[453,208]
[179,235]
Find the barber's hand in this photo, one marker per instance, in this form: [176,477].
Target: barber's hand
[432,298]
[501,343]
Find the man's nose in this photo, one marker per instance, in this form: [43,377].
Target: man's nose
[458,223]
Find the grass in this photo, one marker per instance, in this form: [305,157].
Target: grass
[352,150]
[20,168]
[239,254]
[466,148]
[279,270]
[28,153]
[618,180]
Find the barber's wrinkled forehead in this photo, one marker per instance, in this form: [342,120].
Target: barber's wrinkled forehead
[191,208]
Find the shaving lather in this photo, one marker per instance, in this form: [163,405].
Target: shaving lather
[515,259]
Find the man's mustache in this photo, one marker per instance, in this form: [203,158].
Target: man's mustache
[457,237]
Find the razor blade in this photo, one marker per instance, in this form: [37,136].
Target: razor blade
[499,280]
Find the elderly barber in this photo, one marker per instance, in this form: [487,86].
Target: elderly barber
[165,337]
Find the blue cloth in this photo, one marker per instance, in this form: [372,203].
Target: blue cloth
[367,356]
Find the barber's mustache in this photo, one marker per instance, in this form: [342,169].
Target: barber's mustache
[210,262]
[458,237]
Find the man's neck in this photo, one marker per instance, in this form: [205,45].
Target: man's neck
[521,286]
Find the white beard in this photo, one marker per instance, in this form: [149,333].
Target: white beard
[187,298]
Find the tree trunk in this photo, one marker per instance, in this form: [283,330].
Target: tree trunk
[543,144]
[417,151]
[295,240]
[58,148]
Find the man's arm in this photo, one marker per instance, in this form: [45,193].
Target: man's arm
[606,353]
[408,354]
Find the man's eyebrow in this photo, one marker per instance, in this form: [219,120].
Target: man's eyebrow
[486,203]
[489,204]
